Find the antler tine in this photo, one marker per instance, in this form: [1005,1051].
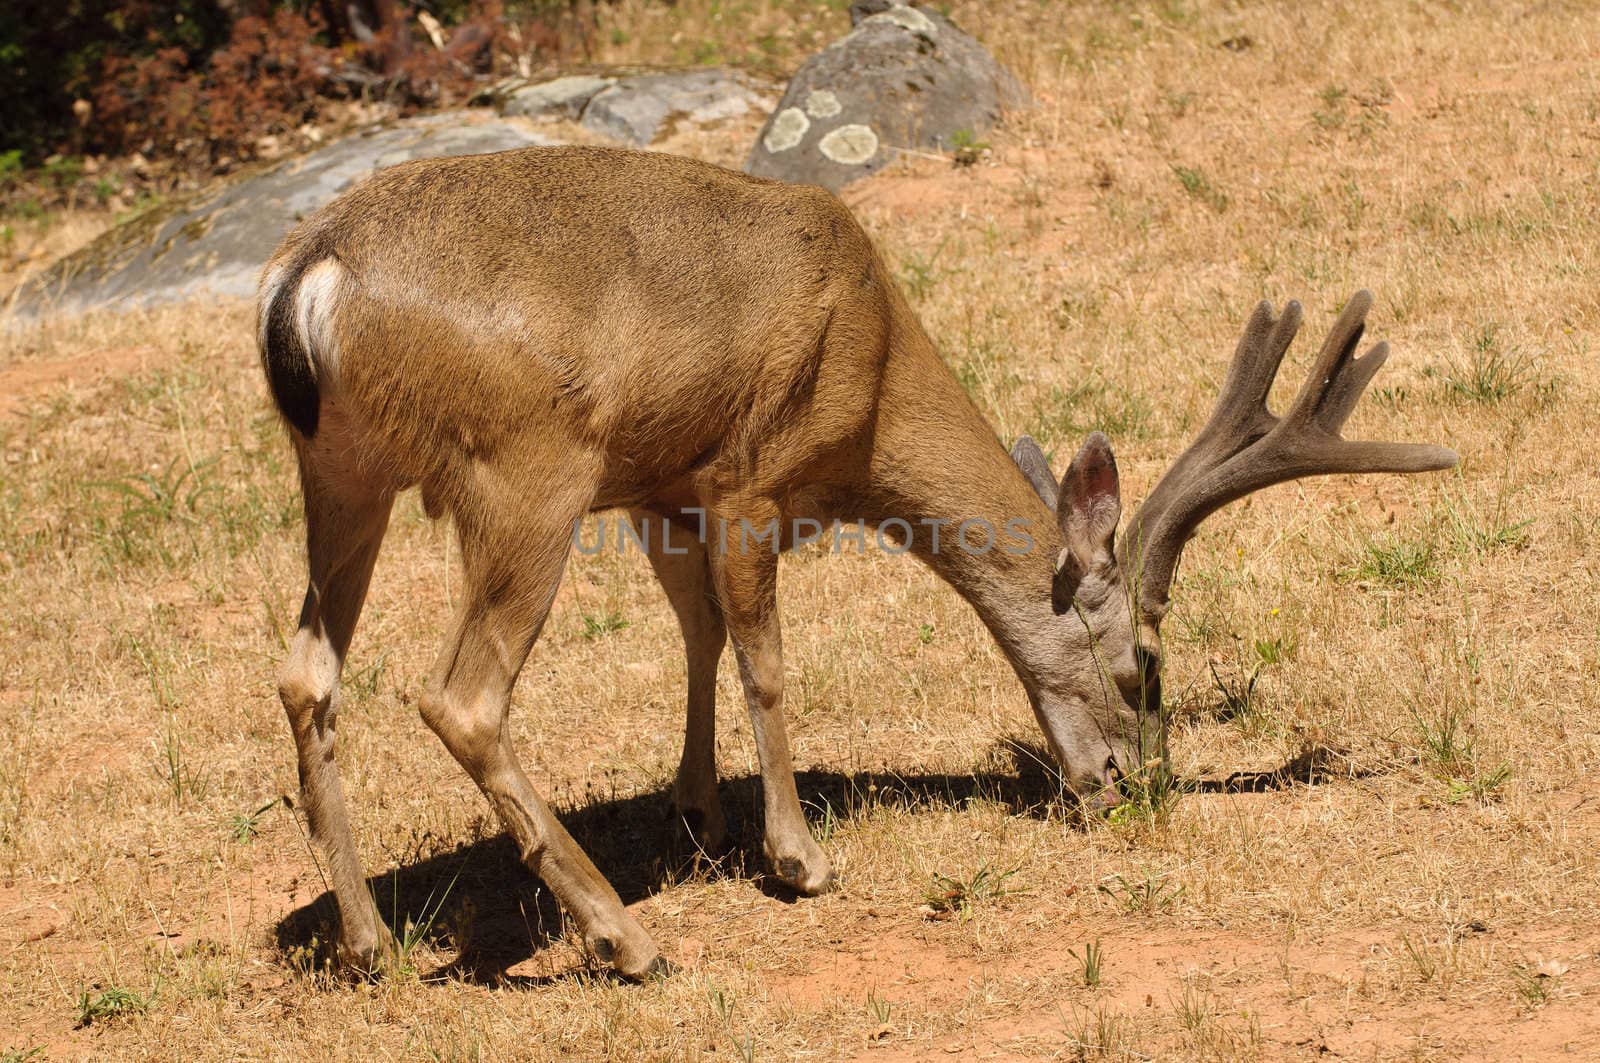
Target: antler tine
[1343,394]
[1243,447]
[1336,381]
[1254,368]
[1240,417]
[1332,388]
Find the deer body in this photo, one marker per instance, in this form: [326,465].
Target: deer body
[533,335]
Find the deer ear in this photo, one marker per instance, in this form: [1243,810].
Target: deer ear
[1031,460]
[1090,504]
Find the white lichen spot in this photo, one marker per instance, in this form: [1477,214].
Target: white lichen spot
[787,129]
[849,145]
[820,103]
[908,18]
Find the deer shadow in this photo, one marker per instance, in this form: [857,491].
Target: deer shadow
[480,901]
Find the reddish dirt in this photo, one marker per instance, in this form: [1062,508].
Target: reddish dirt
[25,381]
[898,963]
[29,917]
[1308,997]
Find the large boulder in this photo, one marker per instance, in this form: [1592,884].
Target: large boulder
[564,97]
[216,242]
[904,77]
[637,109]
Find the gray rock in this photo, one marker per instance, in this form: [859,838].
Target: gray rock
[217,241]
[864,9]
[903,78]
[638,109]
[562,98]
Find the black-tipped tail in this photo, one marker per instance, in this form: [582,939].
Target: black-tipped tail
[286,361]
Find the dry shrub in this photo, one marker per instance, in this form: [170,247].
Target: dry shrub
[266,79]
[280,68]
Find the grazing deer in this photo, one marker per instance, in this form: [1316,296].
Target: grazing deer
[535,335]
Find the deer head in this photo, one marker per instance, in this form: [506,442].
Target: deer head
[1100,706]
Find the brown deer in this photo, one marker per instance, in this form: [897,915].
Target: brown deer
[536,335]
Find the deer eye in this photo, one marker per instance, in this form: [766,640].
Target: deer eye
[1145,693]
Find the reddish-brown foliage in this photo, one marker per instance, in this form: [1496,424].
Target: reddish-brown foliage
[279,68]
[267,78]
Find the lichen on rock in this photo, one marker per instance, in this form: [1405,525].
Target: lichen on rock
[787,128]
[904,77]
[849,145]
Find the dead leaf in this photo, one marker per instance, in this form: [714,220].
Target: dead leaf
[1543,968]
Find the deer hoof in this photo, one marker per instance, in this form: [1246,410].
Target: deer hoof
[706,829]
[368,959]
[636,961]
[793,872]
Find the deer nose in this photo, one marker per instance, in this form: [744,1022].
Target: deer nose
[1111,795]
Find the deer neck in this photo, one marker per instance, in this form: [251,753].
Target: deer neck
[936,464]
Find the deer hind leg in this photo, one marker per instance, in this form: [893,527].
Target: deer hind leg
[746,574]
[512,570]
[679,558]
[345,522]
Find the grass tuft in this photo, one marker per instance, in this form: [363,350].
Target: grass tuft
[1395,562]
[110,1003]
[1149,894]
[1200,187]
[1488,372]
[1445,740]
[1066,415]
[961,896]
[242,826]
[1149,796]
[1102,1034]
[597,626]
[1478,533]
[1091,963]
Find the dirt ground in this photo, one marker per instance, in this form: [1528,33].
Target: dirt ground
[1381,687]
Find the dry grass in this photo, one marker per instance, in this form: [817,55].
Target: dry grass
[28,245]
[1419,648]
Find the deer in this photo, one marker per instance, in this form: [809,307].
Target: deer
[536,335]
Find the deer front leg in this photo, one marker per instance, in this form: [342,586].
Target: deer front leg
[679,558]
[747,585]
